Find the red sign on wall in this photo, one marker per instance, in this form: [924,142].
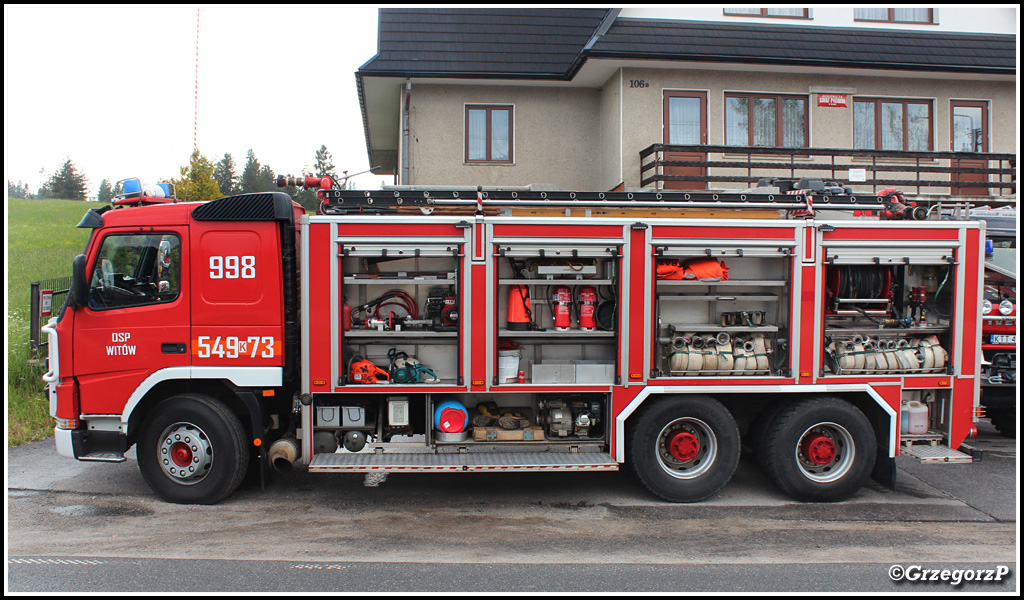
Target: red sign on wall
[832,100]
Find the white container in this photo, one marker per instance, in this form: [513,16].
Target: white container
[508,365]
[904,419]
[918,418]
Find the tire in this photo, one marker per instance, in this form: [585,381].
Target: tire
[759,431]
[1004,420]
[819,450]
[192,450]
[684,449]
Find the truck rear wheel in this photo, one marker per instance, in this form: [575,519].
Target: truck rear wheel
[685,449]
[192,450]
[819,450]
[1004,420]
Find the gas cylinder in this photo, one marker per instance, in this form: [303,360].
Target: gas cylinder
[588,304]
[561,306]
[346,317]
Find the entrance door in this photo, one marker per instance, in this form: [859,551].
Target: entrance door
[685,122]
[969,133]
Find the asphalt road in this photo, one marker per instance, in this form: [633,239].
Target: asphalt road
[87,527]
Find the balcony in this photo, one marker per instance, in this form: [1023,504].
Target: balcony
[974,177]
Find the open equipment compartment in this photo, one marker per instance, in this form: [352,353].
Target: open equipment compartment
[557,312]
[722,308]
[402,303]
[889,306]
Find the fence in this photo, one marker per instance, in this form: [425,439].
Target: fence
[990,176]
[45,299]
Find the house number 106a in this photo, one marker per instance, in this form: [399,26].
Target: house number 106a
[638,83]
[232,267]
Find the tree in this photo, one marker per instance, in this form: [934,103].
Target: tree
[66,183]
[225,175]
[17,191]
[197,183]
[106,192]
[324,163]
[265,181]
[248,182]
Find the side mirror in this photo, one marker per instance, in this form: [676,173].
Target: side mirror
[79,281]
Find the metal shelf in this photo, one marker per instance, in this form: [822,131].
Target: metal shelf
[555,282]
[399,280]
[721,298]
[373,333]
[697,327]
[736,283]
[575,333]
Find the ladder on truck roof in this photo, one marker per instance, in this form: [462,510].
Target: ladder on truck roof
[479,200]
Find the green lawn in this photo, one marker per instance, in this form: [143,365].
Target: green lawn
[41,241]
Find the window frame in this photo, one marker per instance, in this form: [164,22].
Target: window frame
[764,14]
[156,300]
[891,18]
[877,101]
[778,116]
[489,108]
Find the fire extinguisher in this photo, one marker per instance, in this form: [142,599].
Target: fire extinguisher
[587,306]
[561,307]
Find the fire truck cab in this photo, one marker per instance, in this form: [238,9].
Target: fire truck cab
[459,331]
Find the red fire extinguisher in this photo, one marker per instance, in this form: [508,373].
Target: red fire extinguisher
[561,307]
[587,304]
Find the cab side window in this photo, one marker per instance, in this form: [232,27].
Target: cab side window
[135,270]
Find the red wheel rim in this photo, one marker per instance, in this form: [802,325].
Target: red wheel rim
[683,446]
[819,449]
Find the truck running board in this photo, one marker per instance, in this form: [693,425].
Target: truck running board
[936,454]
[476,461]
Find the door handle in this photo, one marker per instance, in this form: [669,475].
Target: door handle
[173,348]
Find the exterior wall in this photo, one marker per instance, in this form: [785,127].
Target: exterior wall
[556,136]
[610,120]
[829,127]
[976,19]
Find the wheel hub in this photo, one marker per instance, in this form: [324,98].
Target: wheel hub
[185,453]
[819,449]
[181,454]
[683,446]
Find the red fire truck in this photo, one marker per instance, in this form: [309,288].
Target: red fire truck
[420,330]
[999,319]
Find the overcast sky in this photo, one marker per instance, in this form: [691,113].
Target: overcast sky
[113,88]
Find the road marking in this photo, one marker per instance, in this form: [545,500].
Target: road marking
[318,567]
[52,561]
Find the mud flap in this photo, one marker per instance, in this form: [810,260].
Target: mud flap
[885,469]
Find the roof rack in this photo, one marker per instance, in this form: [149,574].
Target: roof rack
[346,201]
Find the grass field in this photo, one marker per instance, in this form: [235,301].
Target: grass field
[41,241]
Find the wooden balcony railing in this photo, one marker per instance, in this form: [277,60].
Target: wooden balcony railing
[978,176]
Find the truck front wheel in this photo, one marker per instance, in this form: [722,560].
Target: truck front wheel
[819,450]
[192,450]
[685,449]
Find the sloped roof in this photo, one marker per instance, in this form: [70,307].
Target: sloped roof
[808,45]
[481,42]
[553,43]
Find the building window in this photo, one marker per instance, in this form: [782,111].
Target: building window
[782,13]
[892,124]
[894,15]
[766,120]
[489,133]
